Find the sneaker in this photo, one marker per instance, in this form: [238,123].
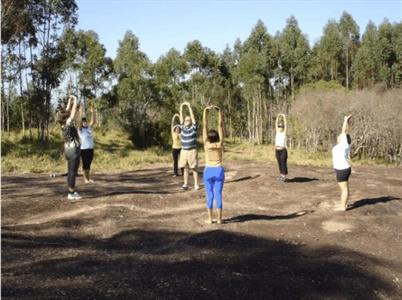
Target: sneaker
[185,187]
[282,178]
[196,187]
[73,196]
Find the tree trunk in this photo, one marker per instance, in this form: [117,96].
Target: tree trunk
[22,119]
[8,110]
[2,112]
[21,90]
[257,118]
[248,120]
[292,84]
[253,120]
[347,68]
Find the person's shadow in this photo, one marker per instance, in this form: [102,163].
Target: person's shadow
[371,201]
[243,178]
[300,179]
[254,217]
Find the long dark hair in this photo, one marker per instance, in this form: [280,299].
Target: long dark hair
[213,136]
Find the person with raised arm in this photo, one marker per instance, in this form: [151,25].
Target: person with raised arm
[281,151]
[214,173]
[72,144]
[341,163]
[87,142]
[176,145]
[188,155]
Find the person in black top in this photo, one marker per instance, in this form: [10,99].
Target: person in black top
[72,144]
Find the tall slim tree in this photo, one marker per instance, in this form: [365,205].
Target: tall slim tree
[350,35]
[330,49]
[295,51]
[367,61]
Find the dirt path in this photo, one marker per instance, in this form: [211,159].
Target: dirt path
[136,235]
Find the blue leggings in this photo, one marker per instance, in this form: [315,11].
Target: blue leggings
[214,178]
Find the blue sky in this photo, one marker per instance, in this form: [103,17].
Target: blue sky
[161,25]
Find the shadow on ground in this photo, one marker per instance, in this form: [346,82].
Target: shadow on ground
[138,264]
[300,179]
[254,217]
[244,178]
[372,201]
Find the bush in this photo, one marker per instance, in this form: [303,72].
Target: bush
[376,126]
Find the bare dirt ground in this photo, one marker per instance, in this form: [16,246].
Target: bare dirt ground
[137,235]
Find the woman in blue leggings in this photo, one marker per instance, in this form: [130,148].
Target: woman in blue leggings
[214,174]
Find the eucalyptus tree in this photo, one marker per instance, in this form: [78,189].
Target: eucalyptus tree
[350,37]
[295,50]
[367,61]
[329,51]
[390,63]
[136,90]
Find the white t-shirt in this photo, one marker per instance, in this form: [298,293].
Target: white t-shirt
[87,139]
[280,139]
[340,154]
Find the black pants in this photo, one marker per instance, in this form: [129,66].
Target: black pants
[72,155]
[87,156]
[176,154]
[282,158]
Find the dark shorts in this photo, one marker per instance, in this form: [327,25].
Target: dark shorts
[87,156]
[343,175]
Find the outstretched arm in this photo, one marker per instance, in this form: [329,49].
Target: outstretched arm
[284,123]
[181,113]
[93,119]
[191,113]
[69,102]
[220,126]
[345,126]
[277,122]
[172,124]
[205,124]
[73,109]
[80,114]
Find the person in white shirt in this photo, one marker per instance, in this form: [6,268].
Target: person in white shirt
[87,144]
[281,151]
[341,163]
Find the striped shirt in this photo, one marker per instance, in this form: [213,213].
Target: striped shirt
[188,137]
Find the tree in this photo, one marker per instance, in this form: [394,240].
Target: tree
[86,61]
[37,25]
[294,50]
[367,61]
[253,72]
[135,90]
[329,51]
[350,35]
[387,36]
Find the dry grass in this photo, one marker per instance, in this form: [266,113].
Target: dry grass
[114,152]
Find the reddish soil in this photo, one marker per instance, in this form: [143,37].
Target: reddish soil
[137,235]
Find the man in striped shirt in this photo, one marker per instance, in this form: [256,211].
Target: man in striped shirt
[188,155]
